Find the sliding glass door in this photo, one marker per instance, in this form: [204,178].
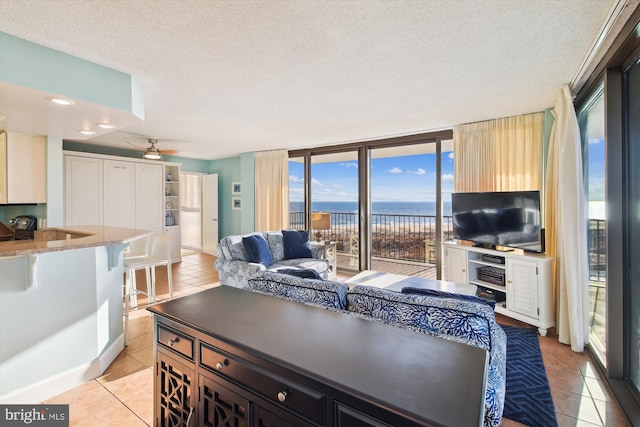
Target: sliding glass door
[334,204]
[591,120]
[380,202]
[403,183]
[632,89]
[331,189]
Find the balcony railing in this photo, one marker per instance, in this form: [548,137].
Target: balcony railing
[408,237]
[394,237]
[597,252]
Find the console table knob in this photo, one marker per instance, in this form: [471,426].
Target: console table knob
[282,396]
[219,366]
[173,341]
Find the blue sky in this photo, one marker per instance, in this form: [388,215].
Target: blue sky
[596,165]
[402,179]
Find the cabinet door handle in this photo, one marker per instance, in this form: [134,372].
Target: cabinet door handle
[464,270]
[282,396]
[173,341]
[220,365]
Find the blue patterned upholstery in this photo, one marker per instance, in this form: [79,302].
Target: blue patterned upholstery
[320,293]
[468,322]
[235,270]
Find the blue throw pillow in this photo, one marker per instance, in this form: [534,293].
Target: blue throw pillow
[296,244]
[257,250]
[443,294]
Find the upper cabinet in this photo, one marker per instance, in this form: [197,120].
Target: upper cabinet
[23,168]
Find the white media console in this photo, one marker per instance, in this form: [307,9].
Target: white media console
[520,282]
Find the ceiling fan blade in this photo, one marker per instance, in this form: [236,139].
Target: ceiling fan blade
[170,151]
[136,145]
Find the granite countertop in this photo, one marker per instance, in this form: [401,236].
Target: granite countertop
[67,238]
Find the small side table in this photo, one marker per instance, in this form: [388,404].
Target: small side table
[329,253]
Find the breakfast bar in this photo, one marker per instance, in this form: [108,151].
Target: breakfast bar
[60,309]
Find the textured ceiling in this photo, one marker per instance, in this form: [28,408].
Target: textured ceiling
[225,77]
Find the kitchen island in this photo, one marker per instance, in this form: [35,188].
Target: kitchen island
[60,309]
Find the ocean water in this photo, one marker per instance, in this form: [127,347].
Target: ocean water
[596,209]
[389,208]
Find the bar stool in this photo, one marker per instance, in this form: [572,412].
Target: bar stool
[160,255]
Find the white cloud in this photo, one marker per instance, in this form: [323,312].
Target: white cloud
[593,141]
[447,177]
[296,179]
[316,182]
[395,170]
[450,156]
[419,171]
[349,165]
[337,186]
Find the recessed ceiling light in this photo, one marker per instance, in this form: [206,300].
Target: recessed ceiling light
[61,101]
[106,126]
[87,132]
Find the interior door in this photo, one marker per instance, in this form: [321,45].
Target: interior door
[210,213]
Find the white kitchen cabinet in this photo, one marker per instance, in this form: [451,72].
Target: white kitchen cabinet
[149,199]
[520,282]
[119,194]
[83,191]
[23,168]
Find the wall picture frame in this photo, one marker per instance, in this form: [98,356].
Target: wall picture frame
[236,188]
[236,203]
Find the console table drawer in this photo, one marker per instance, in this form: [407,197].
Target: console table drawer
[297,398]
[176,341]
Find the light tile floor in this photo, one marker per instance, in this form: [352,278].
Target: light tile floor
[123,396]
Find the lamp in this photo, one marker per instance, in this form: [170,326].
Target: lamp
[320,221]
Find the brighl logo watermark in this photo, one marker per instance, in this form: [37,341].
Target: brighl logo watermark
[36,415]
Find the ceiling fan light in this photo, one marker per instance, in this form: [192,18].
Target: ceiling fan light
[152,155]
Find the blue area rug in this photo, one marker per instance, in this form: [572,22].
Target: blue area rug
[528,398]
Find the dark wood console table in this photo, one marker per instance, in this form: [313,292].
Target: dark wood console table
[230,357]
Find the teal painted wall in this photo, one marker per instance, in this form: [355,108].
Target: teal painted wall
[235,169]
[190,165]
[228,171]
[27,64]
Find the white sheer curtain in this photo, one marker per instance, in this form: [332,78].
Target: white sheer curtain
[499,155]
[566,225]
[272,190]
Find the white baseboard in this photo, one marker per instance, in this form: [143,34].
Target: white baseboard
[109,355]
[59,383]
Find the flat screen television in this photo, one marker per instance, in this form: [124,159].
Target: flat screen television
[509,219]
